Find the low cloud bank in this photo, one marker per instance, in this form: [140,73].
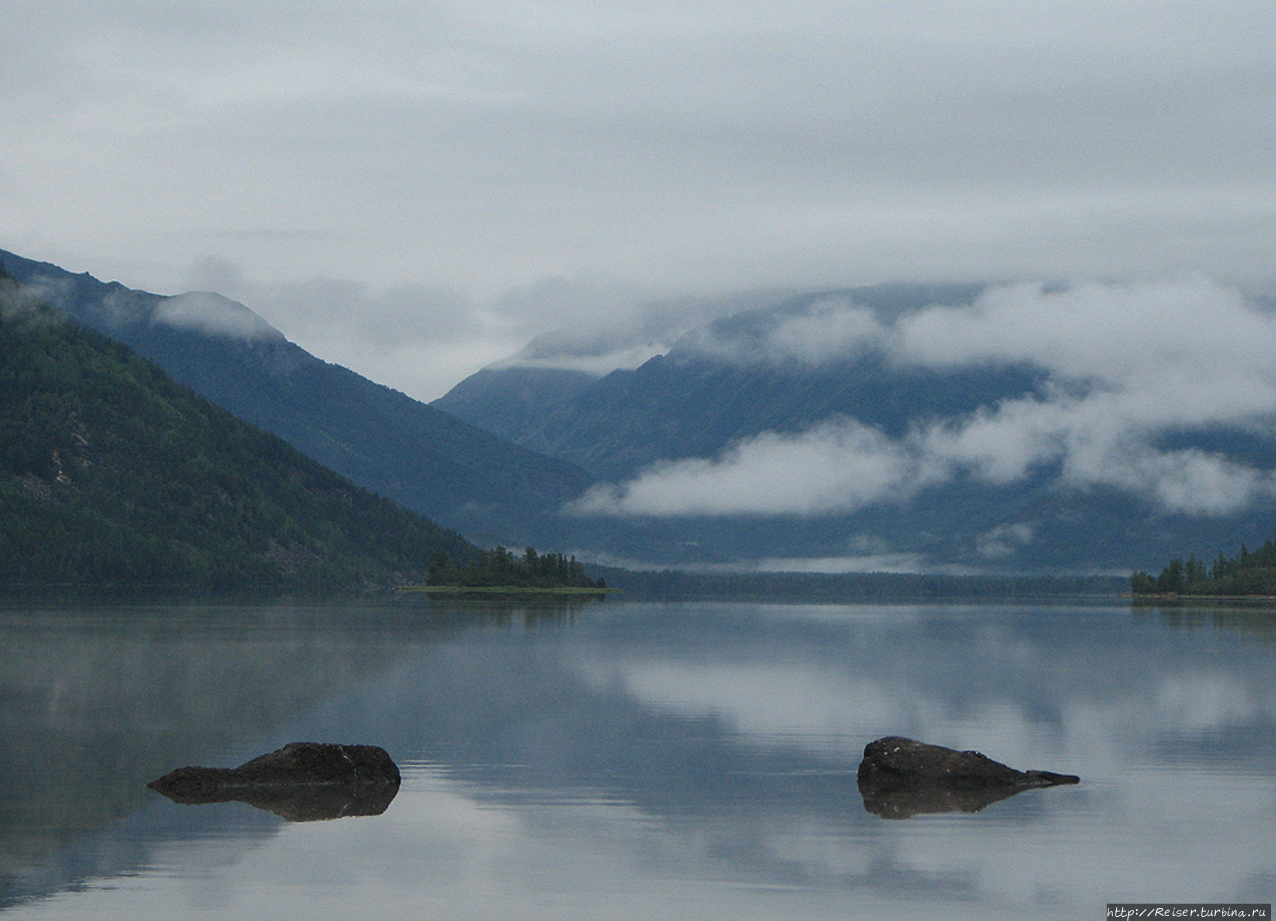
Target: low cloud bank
[838,466]
[827,330]
[215,315]
[423,339]
[1125,364]
[419,339]
[600,327]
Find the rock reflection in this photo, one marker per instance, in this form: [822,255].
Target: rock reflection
[904,802]
[298,803]
[900,778]
[302,782]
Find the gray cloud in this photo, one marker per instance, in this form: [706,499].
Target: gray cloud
[423,339]
[1126,364]
[830,329]
[598,325]
[416,338]
[1004,540]
[481,146]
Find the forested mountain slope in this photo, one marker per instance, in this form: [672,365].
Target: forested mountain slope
[113,474]
[422,458]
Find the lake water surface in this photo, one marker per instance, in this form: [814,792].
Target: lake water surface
[636,761]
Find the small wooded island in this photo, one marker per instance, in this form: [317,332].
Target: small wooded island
[500,570]
[1250,574]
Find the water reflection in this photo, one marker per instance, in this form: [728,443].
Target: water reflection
[316,802]
[504,609]
[1253,618]
[911,801]
[677,752]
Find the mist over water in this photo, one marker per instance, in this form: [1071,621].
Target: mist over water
[637,760]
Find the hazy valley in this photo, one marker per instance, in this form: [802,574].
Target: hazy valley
[945,429]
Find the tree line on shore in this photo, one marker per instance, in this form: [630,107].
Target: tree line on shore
[500,568]
[1250,573]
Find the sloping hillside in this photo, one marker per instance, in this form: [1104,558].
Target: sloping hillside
[113,474]
[418,456]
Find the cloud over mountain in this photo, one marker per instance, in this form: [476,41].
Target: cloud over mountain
[1126,368]
[215,315]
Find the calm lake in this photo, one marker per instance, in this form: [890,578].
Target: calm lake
[623,760]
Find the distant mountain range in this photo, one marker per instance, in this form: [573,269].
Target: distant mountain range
[723,436]
[700,397]
[829,430]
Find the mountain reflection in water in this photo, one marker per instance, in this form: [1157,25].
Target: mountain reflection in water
[654,750]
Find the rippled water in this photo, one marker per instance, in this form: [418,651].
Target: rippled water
[626,760]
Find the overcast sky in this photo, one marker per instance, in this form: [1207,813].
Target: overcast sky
[417,189]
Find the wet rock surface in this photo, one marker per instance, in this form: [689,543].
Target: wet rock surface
[303,781]
[900,777]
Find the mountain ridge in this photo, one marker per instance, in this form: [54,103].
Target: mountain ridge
[420,457]
[112,474]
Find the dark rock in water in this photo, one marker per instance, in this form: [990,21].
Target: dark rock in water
[899,778]
[303,781]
